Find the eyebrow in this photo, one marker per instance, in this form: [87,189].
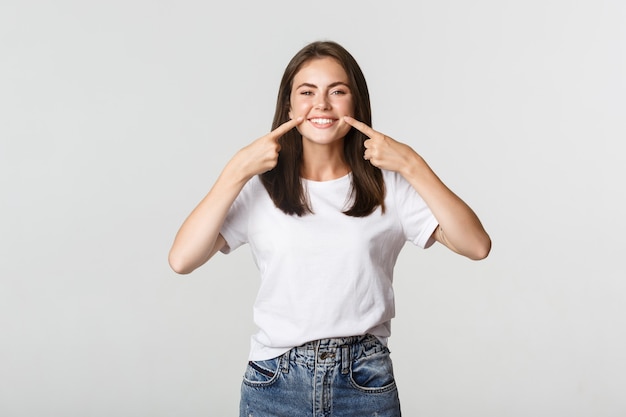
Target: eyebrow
[336,83]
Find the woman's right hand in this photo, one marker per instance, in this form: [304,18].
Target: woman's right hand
[262,155]
[198,239]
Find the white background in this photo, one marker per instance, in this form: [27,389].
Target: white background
[116,117]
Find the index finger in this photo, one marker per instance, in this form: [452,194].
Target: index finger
[360,126]
[286,127]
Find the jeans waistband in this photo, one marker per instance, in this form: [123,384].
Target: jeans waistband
[334,343]
[333,351]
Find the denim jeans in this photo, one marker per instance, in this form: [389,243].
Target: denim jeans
[344,377]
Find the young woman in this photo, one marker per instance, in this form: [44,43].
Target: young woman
[326,203]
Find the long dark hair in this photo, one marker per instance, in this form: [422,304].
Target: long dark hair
[283,182]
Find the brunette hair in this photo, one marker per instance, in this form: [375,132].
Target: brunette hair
[283,182]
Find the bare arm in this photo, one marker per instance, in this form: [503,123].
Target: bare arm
[198,239]
[459,228]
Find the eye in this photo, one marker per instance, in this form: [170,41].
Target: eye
[306,92]
[338,92]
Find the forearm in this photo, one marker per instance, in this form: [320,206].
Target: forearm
[459,227]
[462,231]
[195,241]
[198,238]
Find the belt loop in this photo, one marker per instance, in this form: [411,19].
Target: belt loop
[284,362]
[345,359]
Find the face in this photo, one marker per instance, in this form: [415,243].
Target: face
[320,93]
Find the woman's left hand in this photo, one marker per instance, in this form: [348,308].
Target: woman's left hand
[464,233]
[381,150]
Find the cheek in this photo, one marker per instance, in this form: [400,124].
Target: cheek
[344,107]
[298,105]
[345,128]
[349,108]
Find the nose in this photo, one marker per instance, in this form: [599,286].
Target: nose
[322,103]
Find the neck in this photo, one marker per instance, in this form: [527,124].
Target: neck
[324,162]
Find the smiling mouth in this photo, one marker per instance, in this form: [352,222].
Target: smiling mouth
[322,121]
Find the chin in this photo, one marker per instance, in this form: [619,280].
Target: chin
[322,138]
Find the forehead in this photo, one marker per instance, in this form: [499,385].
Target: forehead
[325,69]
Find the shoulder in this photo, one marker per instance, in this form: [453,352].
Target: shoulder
[398,190]
[250,194]
[254,184]
[394,181]
[253,187]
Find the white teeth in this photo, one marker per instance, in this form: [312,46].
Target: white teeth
[320,121]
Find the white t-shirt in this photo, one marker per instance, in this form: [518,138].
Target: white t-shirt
[324,274]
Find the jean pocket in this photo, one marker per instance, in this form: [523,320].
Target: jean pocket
[262,373]
[373,373]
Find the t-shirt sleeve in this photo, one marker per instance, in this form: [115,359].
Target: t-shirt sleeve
[418,222]
[235,226]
